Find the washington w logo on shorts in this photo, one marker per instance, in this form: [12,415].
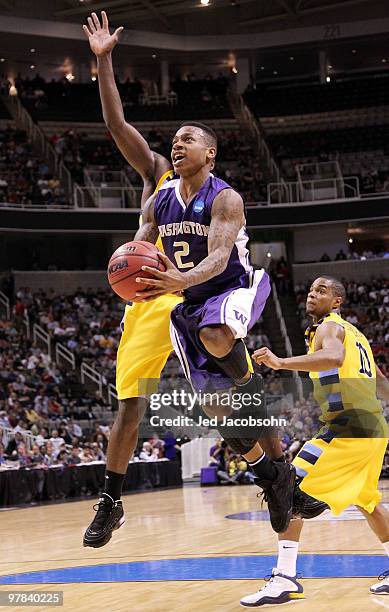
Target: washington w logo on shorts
[240,317]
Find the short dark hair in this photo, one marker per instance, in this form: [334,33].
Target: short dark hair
[212,140]
[337,287]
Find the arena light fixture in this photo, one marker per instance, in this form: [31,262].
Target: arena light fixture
[32,66]
[2,59]
[262,67]
[32,50]
[328,78]
[204,2]
[384,60]
[268,254]
[154,56]
[291,58]
[94,77]
[234,70]
[70,76]
[275,72]
[351,240]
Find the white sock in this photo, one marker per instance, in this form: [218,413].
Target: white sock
[386,546]
[287,557]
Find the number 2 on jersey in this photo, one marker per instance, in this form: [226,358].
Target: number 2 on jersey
[365,361]
[183,251]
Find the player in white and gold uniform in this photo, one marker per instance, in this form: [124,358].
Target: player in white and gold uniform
[342,464]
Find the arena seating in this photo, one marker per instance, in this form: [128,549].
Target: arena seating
[24,178]
[360,152]
[236,162]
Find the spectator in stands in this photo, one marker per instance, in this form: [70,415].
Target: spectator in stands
[74,457]
[145,454]
[340,256]
[219,458]
[325,257]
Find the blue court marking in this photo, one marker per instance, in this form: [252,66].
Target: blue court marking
[206,568]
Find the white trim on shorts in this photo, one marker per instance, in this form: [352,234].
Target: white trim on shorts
[241,301]
[174,337]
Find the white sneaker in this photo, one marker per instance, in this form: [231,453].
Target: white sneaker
[279,589]
[382,586]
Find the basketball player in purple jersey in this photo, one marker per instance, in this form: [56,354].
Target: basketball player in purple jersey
[151,167]
[201,222]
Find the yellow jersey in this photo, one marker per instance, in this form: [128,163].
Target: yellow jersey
[167,175]
[347,395]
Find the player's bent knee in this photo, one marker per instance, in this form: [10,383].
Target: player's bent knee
[241,446]
[218,340]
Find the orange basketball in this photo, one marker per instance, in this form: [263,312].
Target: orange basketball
[126,264]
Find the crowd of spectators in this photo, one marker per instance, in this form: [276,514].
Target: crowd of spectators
[377,252]
[40,397]
[25,178]
[366,307]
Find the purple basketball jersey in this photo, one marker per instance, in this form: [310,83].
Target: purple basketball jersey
[184,232]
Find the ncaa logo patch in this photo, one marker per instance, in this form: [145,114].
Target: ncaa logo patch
[198,206]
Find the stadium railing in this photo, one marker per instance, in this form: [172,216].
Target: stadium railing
[316,191]
[8,434]
[5,303]
[288,346]
[62,352]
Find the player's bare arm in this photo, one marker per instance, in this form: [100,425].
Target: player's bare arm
[329,353]
[131,143]
[148,231]
[227,219]
[382,385]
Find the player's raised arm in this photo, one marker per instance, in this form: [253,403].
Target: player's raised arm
[329,353]
[130,142]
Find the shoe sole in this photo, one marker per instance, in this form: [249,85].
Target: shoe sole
[272,605]
[382,593]
[102,543]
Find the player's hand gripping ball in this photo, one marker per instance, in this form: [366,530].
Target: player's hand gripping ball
[126,264]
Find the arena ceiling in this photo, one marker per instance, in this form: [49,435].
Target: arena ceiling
[191,17]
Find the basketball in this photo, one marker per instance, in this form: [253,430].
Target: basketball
[126,264]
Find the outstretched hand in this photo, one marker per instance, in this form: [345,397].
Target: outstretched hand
[100,39]
[170,281]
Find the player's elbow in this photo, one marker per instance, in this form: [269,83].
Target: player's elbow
[114,125]
[339,358]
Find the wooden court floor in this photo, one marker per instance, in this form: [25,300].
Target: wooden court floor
[186,534]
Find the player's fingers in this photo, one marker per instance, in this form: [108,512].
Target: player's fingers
[149,281]
[96,21]
[165,260]
[156,273]
[260,352]
[91,25]
[118,31]
[86,31]
[104,20]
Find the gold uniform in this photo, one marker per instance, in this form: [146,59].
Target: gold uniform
[342,464]
[145,344]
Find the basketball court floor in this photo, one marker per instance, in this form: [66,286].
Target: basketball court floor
[190,549]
